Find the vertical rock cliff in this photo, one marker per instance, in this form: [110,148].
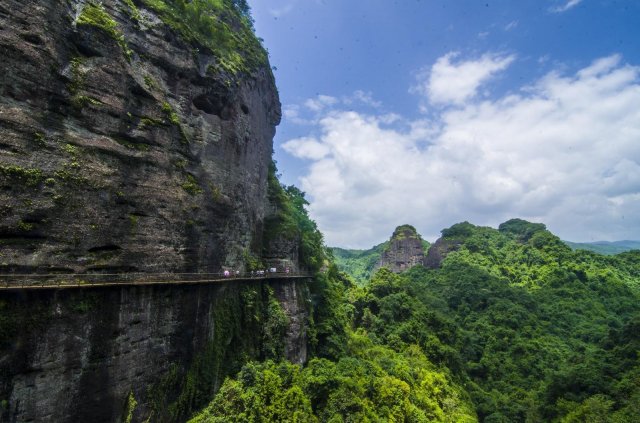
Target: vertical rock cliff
[134,135]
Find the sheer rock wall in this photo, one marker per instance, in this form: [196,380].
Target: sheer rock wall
[126,155]
[77,355]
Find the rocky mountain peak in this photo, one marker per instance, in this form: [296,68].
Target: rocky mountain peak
[405,250]
[405,231]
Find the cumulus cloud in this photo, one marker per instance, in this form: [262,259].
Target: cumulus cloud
[306,148]
[453,83]
[312,109]
[292,113]
[566,6]
[563,150]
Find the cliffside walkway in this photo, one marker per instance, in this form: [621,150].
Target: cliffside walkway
[56,281]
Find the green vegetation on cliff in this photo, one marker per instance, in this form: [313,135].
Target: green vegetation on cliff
[291,222]
[248,317]
[94,14]
[360,264]
[222,26]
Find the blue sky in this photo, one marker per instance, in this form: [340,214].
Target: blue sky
[435,112]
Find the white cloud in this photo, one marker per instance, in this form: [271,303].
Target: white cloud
[563,151]
[511,25]
[306,148]
[320,102]
[314,108]
[453,83]
[291,112]
[570,4]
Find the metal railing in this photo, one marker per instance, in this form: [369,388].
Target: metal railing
[75,280]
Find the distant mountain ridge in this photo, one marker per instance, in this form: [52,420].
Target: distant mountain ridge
[605,247]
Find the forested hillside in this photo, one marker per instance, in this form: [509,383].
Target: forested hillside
[513,326]
[358,264]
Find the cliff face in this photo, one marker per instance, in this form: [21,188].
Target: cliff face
[83,355]
[124,147]
[132,141]
[404,251]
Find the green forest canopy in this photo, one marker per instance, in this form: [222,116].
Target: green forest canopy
[514,327]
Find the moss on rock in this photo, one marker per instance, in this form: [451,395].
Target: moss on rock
[94,14]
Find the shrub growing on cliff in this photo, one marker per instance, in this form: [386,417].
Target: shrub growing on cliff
[20,175]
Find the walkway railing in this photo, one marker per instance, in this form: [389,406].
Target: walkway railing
[74,280]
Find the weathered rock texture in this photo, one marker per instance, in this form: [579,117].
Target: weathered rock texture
[77,355]
[405,250]
[126,154]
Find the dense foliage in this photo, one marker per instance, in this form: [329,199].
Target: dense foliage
[537,332]
[514,327]
[222,26]
[371,383]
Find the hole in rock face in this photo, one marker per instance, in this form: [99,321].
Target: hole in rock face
[207,104]
[212,105]
[138,91]
[85,47]
[245,109]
